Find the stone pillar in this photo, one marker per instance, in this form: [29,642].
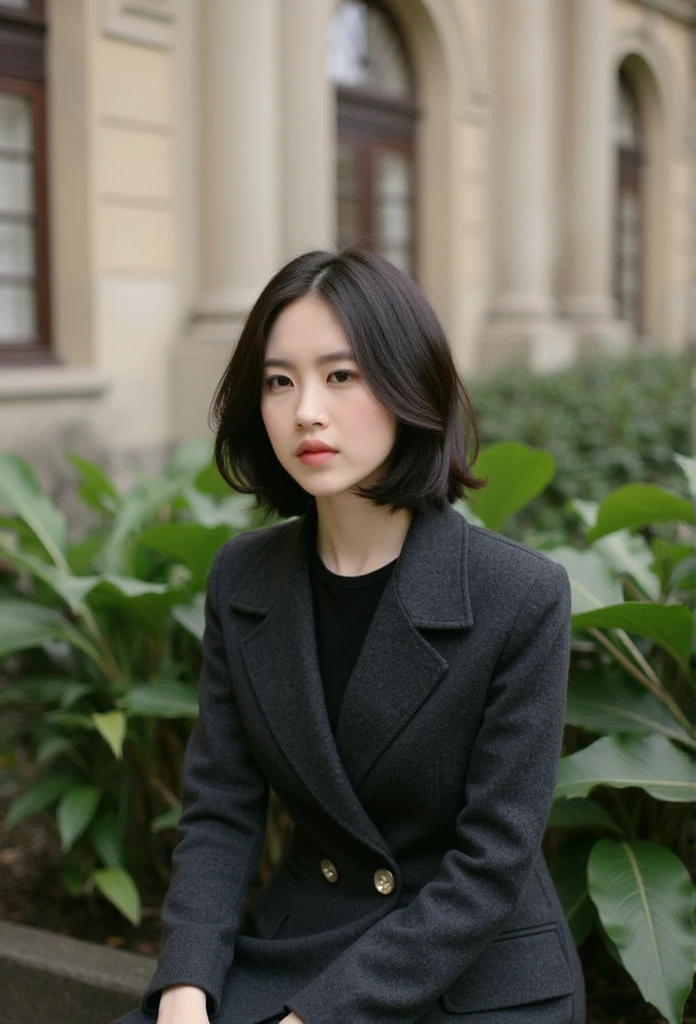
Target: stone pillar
[240,152]
[588,205]
[523,322]
[238,199]
[308,127]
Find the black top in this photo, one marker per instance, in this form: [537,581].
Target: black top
[343,610]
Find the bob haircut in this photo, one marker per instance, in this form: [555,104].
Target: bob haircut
[401,349]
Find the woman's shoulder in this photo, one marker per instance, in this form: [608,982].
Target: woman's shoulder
[504,565]
[244,549]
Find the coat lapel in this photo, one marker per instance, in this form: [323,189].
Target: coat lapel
[398,668]
[395,672]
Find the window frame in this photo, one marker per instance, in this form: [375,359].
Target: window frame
[22,40]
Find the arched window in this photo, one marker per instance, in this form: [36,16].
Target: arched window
[628,242]
[376,115]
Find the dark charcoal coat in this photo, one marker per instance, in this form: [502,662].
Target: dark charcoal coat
[442,771]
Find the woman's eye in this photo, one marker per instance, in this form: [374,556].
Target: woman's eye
[345,374]
[278,377]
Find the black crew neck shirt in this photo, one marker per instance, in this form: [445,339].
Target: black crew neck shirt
[343,610]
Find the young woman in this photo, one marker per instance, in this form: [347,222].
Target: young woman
[396,675]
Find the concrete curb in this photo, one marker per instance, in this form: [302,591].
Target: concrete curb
[52,978]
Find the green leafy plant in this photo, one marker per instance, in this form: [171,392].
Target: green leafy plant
[100,643]
[607,422]
[622,872]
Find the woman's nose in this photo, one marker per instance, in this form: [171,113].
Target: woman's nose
[310,408]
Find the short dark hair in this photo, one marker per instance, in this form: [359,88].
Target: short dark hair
[400,347]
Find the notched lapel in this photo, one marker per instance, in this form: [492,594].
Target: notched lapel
[398,668]
[396,671]
[282,662]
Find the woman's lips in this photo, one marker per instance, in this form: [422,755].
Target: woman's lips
[316,458]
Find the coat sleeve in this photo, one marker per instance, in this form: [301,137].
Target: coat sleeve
[399,967]
[221,831]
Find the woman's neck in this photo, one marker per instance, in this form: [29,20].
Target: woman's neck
[355,537]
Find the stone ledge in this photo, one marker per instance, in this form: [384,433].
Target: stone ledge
[31,382]
[50,977]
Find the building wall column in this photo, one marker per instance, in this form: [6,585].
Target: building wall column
[589,180]
[240,151]
[239,194]
[308,127]
[523,322]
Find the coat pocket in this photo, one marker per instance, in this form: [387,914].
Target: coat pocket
[513,971]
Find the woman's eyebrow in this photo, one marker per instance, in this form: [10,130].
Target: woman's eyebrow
[330,357]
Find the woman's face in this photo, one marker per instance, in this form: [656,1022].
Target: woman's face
[313,390]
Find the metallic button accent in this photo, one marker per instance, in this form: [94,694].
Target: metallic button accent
[384,881]
[329,870]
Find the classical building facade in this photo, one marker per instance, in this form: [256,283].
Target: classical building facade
[530,162]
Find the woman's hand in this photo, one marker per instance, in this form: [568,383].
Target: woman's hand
[292,1018]
[183,1004]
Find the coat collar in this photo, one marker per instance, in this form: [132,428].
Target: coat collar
[396,671]
[431,573]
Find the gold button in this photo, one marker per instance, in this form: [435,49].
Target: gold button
[329,870]
[384,881]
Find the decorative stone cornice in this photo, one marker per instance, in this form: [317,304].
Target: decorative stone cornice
[683,10]
[149,22]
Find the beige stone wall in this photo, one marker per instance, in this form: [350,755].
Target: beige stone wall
[189,161]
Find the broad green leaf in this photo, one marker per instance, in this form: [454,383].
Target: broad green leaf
[190,543]
[606,702]
[233,512]
[104,835]
[71,589]
[568,871]
[51,748]
[120,889]
[517,474]
[38,798]
[144,603]
[586,510]
[669,626]
[112,726]
[649,762]
[24,625]
[209,481]
[645,900]
[688,468]
[192,616]
[42,691]
[21,494]
[68,719]
[627,552]
[137,508]
[130,587]
[593,581]
[636,505]
[75,811]
[167,820]
[667,557]
[630,554]
[190,458]
[97,489]
[161,700]
[581,813]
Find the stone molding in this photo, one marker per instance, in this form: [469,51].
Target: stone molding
[148,22]
[682,10]
[642,40]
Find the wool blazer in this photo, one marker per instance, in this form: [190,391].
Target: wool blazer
[441,771]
